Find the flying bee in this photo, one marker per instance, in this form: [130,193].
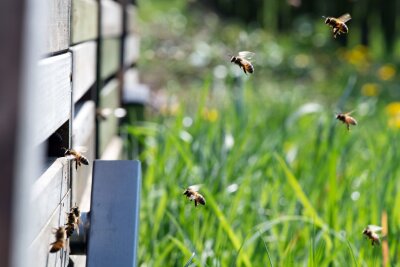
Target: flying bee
[192,194]
[370,233]
[76,154]
[60,235]
[338,24]
[346,119]
[243,61]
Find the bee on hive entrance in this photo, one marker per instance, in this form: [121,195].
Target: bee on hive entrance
[76,154]
[338,24]
[243,61]
[370,233]
[192,194]
[73,221]
[346,119]
[60,235]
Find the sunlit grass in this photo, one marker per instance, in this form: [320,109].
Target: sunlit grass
[286,189]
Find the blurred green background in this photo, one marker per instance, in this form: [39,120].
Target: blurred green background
[285,183]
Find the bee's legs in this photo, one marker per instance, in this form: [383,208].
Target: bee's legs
[195,203]
[76,164]
[348,126]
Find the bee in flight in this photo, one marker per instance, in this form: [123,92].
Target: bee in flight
[76,154]
[346,119]
[370,233]
[192,194]
[243,61]
[60,235]
[338,24]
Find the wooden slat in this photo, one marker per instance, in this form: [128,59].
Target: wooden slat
[84,20]
[84,68]
[131,49]
[111,18]
[47,193]
[131,19]
[109,98]
[58,26]
[113,151]
[131,77]
[41,245]
[84,135]
[53,96]
[134,92]
[110,57]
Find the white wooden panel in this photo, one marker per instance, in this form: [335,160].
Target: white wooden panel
[41,245]
[84,20]
[131,19]
[84,68]
[54,95]
[131,49]
[110,57]
[57,38]
[84,135]
[47,193]
[134,92]
[113,151]
[131,77]
[109,98]
[111,18]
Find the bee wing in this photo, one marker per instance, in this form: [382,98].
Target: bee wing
[345,18]
[81,149]
[246,55]
[70,157]
[374,228]
[195,187]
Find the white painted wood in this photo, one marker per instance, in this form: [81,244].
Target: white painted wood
[84,20]
[84,68]
[41,244]
[83,135]
[58,25]
[131,77]
[53,96]
[131,19]
[113,151]
[109,98]
[110,57]
[47,193]
[111,18]
[131,49]
[133,91]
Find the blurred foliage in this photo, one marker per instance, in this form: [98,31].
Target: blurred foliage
[284,181]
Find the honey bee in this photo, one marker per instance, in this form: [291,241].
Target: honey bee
[60,235]
[192,194]
[76,154]
[346,119]
[338,24]
[73,221]
[243,61]
[370,233]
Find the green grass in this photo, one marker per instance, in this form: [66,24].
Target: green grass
[295,175]
[295,188]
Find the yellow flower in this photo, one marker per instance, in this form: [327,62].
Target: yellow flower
[358,56]
[393,109]
[387,72]
[210,115]
[370,89]
[394,122]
